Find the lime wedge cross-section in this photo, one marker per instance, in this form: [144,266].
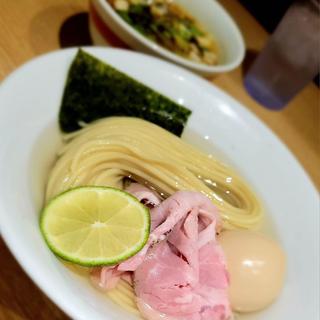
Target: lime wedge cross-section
[94,226]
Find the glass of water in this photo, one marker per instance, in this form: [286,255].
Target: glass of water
[290,59]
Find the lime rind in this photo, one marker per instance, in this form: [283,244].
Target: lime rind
[103,261]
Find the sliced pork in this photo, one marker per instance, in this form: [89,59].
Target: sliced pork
[145,195]
[185,276]
[105,278]
[180,274]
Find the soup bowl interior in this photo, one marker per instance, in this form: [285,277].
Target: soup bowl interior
[219,23]
[210,14]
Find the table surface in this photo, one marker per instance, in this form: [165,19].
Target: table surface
[32,27]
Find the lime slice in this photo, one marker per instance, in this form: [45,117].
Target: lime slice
[94,226]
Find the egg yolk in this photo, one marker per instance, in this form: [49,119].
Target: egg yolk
[256,266]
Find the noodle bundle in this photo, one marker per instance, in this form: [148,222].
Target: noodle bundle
[111,149]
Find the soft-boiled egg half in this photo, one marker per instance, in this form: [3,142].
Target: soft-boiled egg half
[256,266]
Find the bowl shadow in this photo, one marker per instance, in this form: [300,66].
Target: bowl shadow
[74,32]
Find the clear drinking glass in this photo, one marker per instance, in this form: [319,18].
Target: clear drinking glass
[290,59]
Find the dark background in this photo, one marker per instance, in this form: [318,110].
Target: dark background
[267,12]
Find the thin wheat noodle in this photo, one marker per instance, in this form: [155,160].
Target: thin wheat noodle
[107,151]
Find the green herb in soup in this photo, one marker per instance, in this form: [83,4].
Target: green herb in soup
[170,26]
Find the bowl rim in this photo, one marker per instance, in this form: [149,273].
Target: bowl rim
[103,5]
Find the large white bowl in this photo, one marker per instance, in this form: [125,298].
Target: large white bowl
[29,136]
[209,12]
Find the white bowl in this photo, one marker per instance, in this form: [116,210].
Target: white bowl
[29,136]
[210,13]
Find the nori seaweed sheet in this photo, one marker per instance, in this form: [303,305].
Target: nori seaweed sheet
[95,90]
